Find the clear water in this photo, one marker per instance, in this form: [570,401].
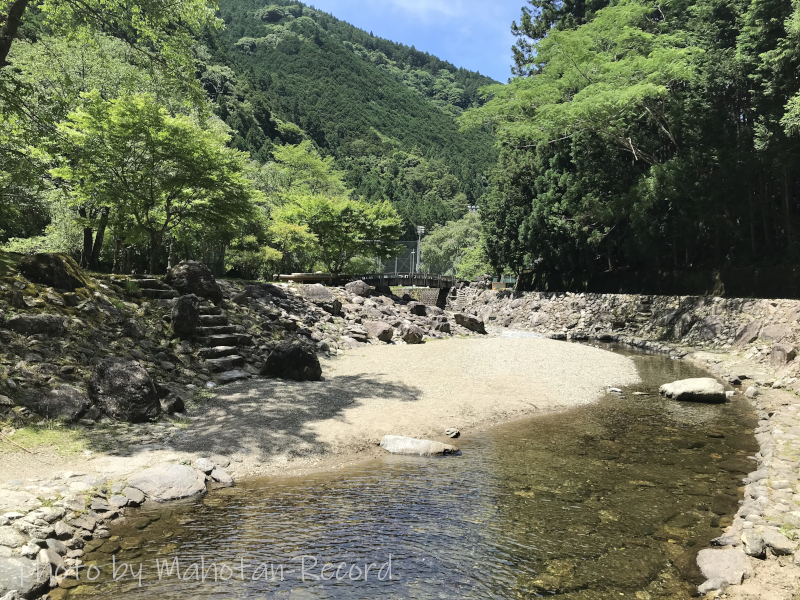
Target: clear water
[611,500]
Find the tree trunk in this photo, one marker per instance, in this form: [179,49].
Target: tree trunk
[9,31]
[86,253]
[94,259]
[155,251]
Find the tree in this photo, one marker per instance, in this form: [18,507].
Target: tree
[161,32]
[129,157]
[344,228]
[455,248]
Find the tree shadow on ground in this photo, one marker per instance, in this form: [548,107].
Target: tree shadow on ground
[273,417]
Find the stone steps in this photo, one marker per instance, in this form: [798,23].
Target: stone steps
[159,294]
[152,284]
[226,363]
[218,351]
[228,339]
[210,310]
[213,320]
[217,330]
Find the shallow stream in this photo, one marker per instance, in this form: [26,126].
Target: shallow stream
[611,500]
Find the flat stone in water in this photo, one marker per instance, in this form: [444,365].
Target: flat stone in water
[397,444]
[169,482]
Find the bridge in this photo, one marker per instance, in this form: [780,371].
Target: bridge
[377,279]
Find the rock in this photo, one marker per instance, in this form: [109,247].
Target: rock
[191,277]
[135,497]
[18,500]
[712,585]
[50,325]
[292,361]
[417,308]
[411,334]
[729,564]
[358,288]
[220,461]
[56,546]
[124,390]
[232,376]
[20,574]
[452,432]
[118,500]
[470,322]
[172,404]
[701,389]
[55,270]
[781,354]
[778,543]
[63,531]
[774,333]
[169,482]
[204,465]
[50,557]
[321,296]
[62,402]
[753,544]
[221,476]
[710,328]
[186,315]
[397,444]
[380,330]
[444,327]
[11,537]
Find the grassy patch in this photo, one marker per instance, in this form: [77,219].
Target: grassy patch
[9,263]
[65,440]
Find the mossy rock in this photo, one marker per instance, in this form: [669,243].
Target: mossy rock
[59,271]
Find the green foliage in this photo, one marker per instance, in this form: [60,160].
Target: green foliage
[455,248]
[163,173]
[344,228]
[646,137]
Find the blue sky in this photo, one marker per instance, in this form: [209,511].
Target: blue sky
[474,34]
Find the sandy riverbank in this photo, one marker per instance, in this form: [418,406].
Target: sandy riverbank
[281,427]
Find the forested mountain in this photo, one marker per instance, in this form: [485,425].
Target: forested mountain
[282,72]
[258,137]
[648,136]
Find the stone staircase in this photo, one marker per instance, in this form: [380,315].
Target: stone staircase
[222,342]
[153,288]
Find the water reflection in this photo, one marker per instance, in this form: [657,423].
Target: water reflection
[605,501]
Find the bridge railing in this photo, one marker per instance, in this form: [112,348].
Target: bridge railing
[376,279]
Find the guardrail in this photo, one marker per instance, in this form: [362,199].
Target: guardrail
[377,279]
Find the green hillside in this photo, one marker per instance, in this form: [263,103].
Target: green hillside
[283,72]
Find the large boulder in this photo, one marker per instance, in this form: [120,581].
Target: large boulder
[20,574]
[730,564]
[780,354]
[124,390]
[50,325]
[774,333]
[62,402]
[169,482]
[54,270]
[417,308]
[186,315]
[322,297]
[191,277]
[470,322]
[292,361]
[700,389]
[747,333]
[411,334]
[380,330]
[358,288]
[398,444]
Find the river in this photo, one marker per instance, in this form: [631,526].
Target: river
[610,500]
